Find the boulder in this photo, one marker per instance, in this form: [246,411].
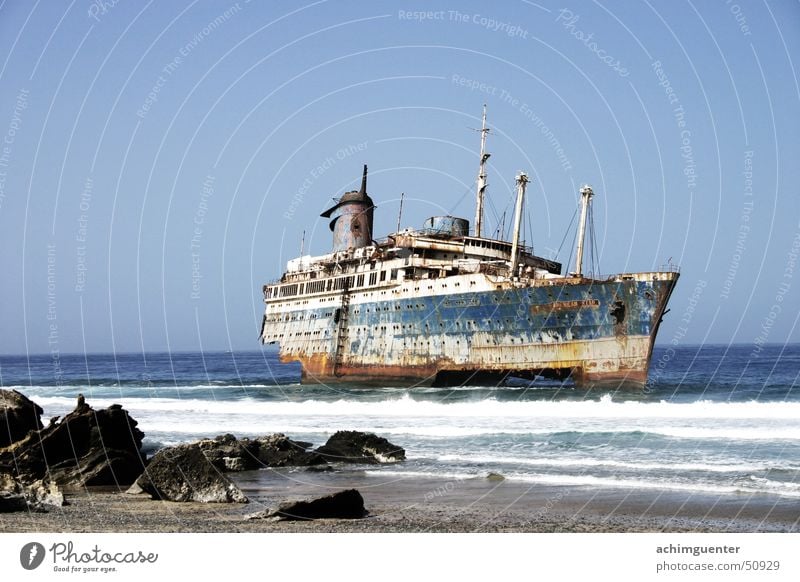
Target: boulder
[346,504]
[18,416]
[229,454]
[184,473]
[277,450]
[87,447]
[44,493]
[351,446]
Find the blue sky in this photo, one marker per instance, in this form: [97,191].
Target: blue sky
[160,161]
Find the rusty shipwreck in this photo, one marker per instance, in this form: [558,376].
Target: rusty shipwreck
[442,306]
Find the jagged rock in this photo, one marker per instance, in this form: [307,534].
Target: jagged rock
[18,416]
[88,447]
[44,493]
[36,496]
[184,473]
[223,447]
[360,447]
[346,504]
[277,450]
[495,477]
[229,454]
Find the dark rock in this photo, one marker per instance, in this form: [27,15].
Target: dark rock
[11,502]
[184,473]
[101,467]
[360,447]
[18,416]
[346,504]
[88,447]
[495,477]
[221,451]
[277,450]
[229,454]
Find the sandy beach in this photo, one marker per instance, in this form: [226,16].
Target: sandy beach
[422,505]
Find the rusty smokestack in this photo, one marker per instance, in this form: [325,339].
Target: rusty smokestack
[352,218]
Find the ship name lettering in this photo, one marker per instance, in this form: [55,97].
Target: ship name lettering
[558,305]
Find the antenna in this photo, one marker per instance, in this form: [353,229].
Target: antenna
[481,177]
[302,243]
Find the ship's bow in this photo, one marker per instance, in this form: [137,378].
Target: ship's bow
[624,361]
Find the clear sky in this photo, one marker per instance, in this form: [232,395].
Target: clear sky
[160,161]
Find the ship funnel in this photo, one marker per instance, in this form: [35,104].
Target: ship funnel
[352,218]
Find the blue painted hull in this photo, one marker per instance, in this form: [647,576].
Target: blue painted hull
[594,331]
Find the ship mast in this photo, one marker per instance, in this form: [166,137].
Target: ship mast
[481,178]
[522,181]
[586,199]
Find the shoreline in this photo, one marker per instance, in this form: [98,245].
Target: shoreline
[421,505]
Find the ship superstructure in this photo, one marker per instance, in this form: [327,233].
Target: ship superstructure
[441,306]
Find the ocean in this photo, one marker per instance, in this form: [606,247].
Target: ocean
[713,419]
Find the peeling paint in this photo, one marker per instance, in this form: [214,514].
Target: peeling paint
[407,336]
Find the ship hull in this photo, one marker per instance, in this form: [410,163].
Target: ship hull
[596,332]
[588,363]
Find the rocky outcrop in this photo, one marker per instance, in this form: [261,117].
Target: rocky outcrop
[346,504]
[228,453]
[18,417]
[349,446]
[87,447]
[36,496]
[184,473]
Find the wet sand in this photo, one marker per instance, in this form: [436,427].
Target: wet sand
[422,505]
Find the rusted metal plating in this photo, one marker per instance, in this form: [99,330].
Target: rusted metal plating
[352,218]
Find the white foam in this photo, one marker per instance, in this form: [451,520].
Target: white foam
[435,420]
[589,462]
[405,405]
[596,482]
[488,408]
[776,486]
